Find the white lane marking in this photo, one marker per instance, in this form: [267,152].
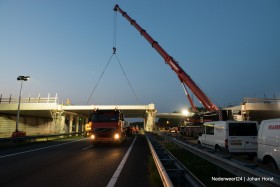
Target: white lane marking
[87,147]
[119,169]
[42,148]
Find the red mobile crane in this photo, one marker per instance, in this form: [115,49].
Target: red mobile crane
[182,75]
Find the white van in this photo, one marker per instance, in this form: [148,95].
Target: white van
[268,143]
[233,136]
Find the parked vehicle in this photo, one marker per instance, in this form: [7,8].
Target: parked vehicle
[269,142]
[107,126]
[174,129]
[233,136]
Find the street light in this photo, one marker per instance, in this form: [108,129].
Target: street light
[17,132]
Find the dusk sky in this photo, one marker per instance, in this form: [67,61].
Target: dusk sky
[230,48]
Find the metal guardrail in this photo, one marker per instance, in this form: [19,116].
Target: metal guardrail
[172,171]
[230,166]
[162,172]
[33,138]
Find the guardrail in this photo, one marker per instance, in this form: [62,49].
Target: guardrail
[171,171]
[162,172]
[230,166]
[36,137]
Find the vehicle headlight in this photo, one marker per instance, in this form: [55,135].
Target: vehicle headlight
[116,136]
[92,136]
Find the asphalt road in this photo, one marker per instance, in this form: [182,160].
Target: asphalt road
[75,163]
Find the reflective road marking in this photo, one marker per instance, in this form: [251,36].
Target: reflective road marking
[87,147]
[119,169]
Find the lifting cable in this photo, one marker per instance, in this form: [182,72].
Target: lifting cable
[89,99]
[113,54]
[127,79]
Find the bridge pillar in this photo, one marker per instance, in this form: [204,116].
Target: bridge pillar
[70,123]
[62,124]
[85,121]
[149,120]
[58,122]
[77,121]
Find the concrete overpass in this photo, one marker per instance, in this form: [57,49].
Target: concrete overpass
[44,115]
[52,117]
[171,115]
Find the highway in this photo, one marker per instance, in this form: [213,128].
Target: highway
[76,162]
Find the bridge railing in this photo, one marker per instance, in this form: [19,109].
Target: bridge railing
[261,100]
[38,99]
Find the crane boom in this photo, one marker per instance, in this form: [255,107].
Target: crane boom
[182,75]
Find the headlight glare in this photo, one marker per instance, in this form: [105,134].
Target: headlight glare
[117,136]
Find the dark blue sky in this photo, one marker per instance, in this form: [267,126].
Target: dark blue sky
[230,48]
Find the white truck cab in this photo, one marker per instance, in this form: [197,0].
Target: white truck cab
[233,136]
[269,142]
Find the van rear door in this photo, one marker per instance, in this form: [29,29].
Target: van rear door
[235,141]
[243,136]
[250,134]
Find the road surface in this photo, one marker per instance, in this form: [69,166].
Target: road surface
[76,163]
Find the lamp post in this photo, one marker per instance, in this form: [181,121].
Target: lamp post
[17,132]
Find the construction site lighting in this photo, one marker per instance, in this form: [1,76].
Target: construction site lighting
[185,112]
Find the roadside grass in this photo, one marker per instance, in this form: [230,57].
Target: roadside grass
[153,174]
[203,169]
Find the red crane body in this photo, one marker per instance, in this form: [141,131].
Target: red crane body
[182,75]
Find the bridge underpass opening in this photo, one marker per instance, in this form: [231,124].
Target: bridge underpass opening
[168,121]
[146,113]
